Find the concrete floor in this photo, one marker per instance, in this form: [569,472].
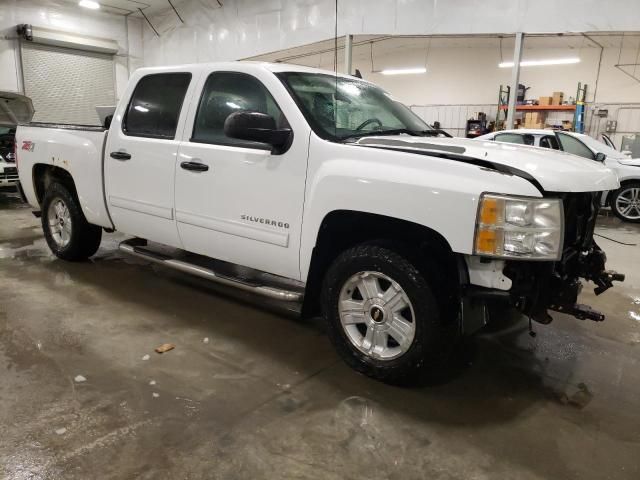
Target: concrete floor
[266,396]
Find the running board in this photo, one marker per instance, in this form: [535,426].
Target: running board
[133,247]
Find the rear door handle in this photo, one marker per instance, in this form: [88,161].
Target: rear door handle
[194,166]
[121,155]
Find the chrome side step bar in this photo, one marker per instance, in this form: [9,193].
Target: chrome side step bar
[131,248]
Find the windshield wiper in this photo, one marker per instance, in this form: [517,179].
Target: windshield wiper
[435,133]
[395,131]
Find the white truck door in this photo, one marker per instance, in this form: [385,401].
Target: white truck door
[140,156]
[244,204]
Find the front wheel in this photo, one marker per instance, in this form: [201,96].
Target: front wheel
[66,230]
[383,317]
[626,202]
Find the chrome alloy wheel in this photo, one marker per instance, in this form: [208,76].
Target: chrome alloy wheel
[628,203]
[59,219]
[376,315]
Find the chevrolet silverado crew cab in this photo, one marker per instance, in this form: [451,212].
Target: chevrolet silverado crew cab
[308,187]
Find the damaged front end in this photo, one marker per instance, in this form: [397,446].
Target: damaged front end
[540,287]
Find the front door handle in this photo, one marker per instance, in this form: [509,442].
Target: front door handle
[194,166]
[121,155]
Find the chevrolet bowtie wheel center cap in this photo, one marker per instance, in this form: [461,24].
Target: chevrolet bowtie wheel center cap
[377,314]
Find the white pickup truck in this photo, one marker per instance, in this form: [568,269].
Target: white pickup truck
[322,189]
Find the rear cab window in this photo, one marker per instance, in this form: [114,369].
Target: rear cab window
[155,105]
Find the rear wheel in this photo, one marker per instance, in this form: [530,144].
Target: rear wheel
[383,316]
[66,230]
[626,202]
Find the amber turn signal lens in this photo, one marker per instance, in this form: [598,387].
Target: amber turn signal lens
[486,242]
[489,211]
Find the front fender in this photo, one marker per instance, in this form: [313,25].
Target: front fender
[438,193]
[627,172]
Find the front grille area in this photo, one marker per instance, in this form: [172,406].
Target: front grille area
[580,215]
[9,173]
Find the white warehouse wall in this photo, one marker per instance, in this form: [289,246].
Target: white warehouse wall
[470,74]
[127,32]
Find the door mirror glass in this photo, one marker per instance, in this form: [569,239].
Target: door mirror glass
[600,157]
[256,127]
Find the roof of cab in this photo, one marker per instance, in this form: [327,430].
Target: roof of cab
[272,67]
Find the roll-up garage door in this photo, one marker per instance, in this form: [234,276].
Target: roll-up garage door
[65,84]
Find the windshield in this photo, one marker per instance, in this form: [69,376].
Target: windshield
[342,108]
[598,146]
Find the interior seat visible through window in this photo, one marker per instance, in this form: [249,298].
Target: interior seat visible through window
[549,141]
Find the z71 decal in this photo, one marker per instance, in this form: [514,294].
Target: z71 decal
[28,145]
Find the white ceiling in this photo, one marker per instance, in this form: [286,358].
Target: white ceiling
[127,7]
[388,45]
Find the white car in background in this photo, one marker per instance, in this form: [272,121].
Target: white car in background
[625,202]
[8,170]
[15,109]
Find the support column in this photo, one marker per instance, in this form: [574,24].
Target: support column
[515,79]
[348,53]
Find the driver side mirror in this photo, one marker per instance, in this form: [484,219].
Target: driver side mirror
[258,127]
[601,157]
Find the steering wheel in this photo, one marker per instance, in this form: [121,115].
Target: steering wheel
[369,122]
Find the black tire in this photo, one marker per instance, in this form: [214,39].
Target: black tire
[436,334]
[84,238]
[614,202]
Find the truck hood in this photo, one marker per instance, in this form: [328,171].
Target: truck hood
[15,109]
[553,170]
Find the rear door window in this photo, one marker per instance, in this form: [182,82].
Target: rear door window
[549,141]
[155,105]
[519,138]
[573,145]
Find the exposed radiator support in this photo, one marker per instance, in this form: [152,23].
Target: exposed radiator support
[59,38]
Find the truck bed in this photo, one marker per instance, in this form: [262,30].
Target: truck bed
[78,149]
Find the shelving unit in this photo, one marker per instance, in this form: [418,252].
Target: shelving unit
[541,108]
[576,109]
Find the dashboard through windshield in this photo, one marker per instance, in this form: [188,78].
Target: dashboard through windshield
[343,108]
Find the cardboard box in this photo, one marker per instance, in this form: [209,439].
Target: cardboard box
[557,98]
[536,117]
[545,100]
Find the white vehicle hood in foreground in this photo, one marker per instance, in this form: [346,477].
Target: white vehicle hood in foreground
[555,171]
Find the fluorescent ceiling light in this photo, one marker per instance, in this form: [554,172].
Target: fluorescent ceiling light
[538,63]
[403,71]
[89,4]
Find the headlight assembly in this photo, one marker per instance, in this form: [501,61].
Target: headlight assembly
[519,227]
